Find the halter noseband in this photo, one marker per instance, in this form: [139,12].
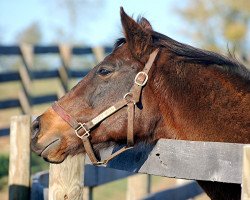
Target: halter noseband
[82,130]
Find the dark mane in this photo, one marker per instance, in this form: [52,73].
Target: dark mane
[119,42]
[196,55]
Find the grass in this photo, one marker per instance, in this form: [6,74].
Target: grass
[111,191]
[4,160]
[9,90]
[37,164]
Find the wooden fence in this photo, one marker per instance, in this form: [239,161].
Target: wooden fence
[26,75]
[66,180]
[210,161]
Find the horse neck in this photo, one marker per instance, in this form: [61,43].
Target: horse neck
[201,103]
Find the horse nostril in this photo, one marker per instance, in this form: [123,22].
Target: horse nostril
[35,128]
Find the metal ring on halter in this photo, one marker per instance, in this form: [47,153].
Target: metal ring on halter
[81,126]
[127,94]
[145,80]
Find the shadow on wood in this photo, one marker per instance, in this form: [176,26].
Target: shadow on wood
[19,192]
[184,192]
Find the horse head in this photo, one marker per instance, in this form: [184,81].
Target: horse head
[105,85]
[149,87]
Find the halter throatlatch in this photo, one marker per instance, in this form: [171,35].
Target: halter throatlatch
[130,99]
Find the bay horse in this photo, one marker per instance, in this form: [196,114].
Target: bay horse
[150,87]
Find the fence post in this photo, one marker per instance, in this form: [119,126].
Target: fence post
[19,164]
[99,53]
[137,186]
[88,193]
[245,194]
[66,179]
[65,56]
[24,71]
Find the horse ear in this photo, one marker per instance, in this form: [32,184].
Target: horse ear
[145,24]
[137,36]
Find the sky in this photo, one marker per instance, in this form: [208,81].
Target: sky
[97,22]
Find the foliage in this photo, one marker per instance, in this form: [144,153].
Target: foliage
[37,164]
[80,13]
[4,166]
[215,23]
[3,183]
[31,35]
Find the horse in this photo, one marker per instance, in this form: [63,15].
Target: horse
[150,87]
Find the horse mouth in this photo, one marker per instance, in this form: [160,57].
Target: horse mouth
[45,151]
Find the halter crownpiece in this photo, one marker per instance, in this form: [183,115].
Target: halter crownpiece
[82,130]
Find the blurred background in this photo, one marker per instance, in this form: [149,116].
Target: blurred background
[46,47]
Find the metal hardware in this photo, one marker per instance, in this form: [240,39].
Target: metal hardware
[127,94]
[101,163]
[82,126]
[145,80]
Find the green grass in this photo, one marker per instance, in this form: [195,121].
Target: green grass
[37,164]
[4,167]
[4,160]
[111,191]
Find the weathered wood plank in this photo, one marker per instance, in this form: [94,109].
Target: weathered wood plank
[210,161]
[137,187]
[96,176]
[99,53]
[65,57]
[245,192]
[24,101]
[66,179]
[19,164]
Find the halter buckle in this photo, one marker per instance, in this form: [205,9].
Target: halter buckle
[105,162]
[145,80]
[82,126]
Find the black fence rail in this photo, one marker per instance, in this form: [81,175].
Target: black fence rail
[26,75]
[96,176]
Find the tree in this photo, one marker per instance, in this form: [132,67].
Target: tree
[31,35]
[217,24]
[80,13]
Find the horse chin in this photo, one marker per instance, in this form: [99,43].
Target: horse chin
[52,153]
[54,157]
[54,160]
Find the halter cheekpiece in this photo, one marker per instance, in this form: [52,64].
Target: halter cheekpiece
[82,130]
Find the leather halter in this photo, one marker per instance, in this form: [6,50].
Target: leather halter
[130,99]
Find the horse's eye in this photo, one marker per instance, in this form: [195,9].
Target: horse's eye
[103,72]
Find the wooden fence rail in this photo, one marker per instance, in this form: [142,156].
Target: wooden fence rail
[26,75]
[210,161]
